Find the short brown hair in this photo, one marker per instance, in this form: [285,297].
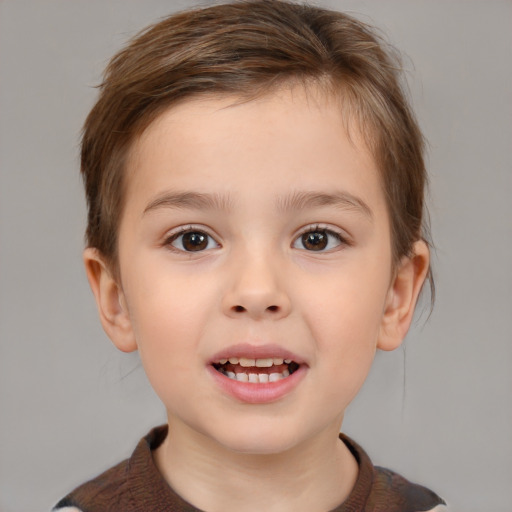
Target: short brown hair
[249,48]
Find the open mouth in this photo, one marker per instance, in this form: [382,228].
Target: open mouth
[256,371]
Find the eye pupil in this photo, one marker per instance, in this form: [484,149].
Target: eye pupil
[194,241]
[315,240]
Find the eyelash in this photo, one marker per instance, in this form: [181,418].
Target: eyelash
[173,237]
[340,239]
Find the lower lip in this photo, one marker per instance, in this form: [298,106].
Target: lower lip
[258,393]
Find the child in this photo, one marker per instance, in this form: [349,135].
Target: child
[255,183]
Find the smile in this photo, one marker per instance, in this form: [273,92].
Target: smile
[256,371]
[257,374]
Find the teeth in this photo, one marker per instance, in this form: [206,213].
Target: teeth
[259,363]
[257,378]
[253,376]
[264,363]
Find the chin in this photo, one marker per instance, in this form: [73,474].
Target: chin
[259,438]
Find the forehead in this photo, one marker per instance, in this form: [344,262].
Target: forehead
[294,135]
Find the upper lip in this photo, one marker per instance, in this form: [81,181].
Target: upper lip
[255,352]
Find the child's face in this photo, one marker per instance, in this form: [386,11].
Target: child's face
[259,231]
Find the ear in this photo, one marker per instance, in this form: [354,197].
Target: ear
[402,297]
[110,300]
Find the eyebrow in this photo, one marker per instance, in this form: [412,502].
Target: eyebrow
[296,201]
[340,199]
[190,200]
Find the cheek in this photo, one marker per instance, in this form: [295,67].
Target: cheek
[347,310]
[168,316]
[346,349]
[343,315]
[165,306]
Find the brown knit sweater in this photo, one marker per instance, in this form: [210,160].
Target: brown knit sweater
[135,485]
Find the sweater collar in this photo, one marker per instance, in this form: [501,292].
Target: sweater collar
[143,475]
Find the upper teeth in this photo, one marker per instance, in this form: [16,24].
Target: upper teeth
[261,363]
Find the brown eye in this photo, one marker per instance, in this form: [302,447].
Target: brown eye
[193,241]
[314,240]
[319,240]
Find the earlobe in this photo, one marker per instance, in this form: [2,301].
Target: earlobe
[402,297]
[112,308]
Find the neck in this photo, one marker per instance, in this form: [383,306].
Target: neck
[316,475]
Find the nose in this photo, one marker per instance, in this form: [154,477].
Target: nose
[257,290]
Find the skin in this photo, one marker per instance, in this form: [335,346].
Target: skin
[256,283]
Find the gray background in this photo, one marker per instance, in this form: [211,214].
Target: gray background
[70,405]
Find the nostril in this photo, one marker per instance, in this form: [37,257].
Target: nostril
[241,309]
